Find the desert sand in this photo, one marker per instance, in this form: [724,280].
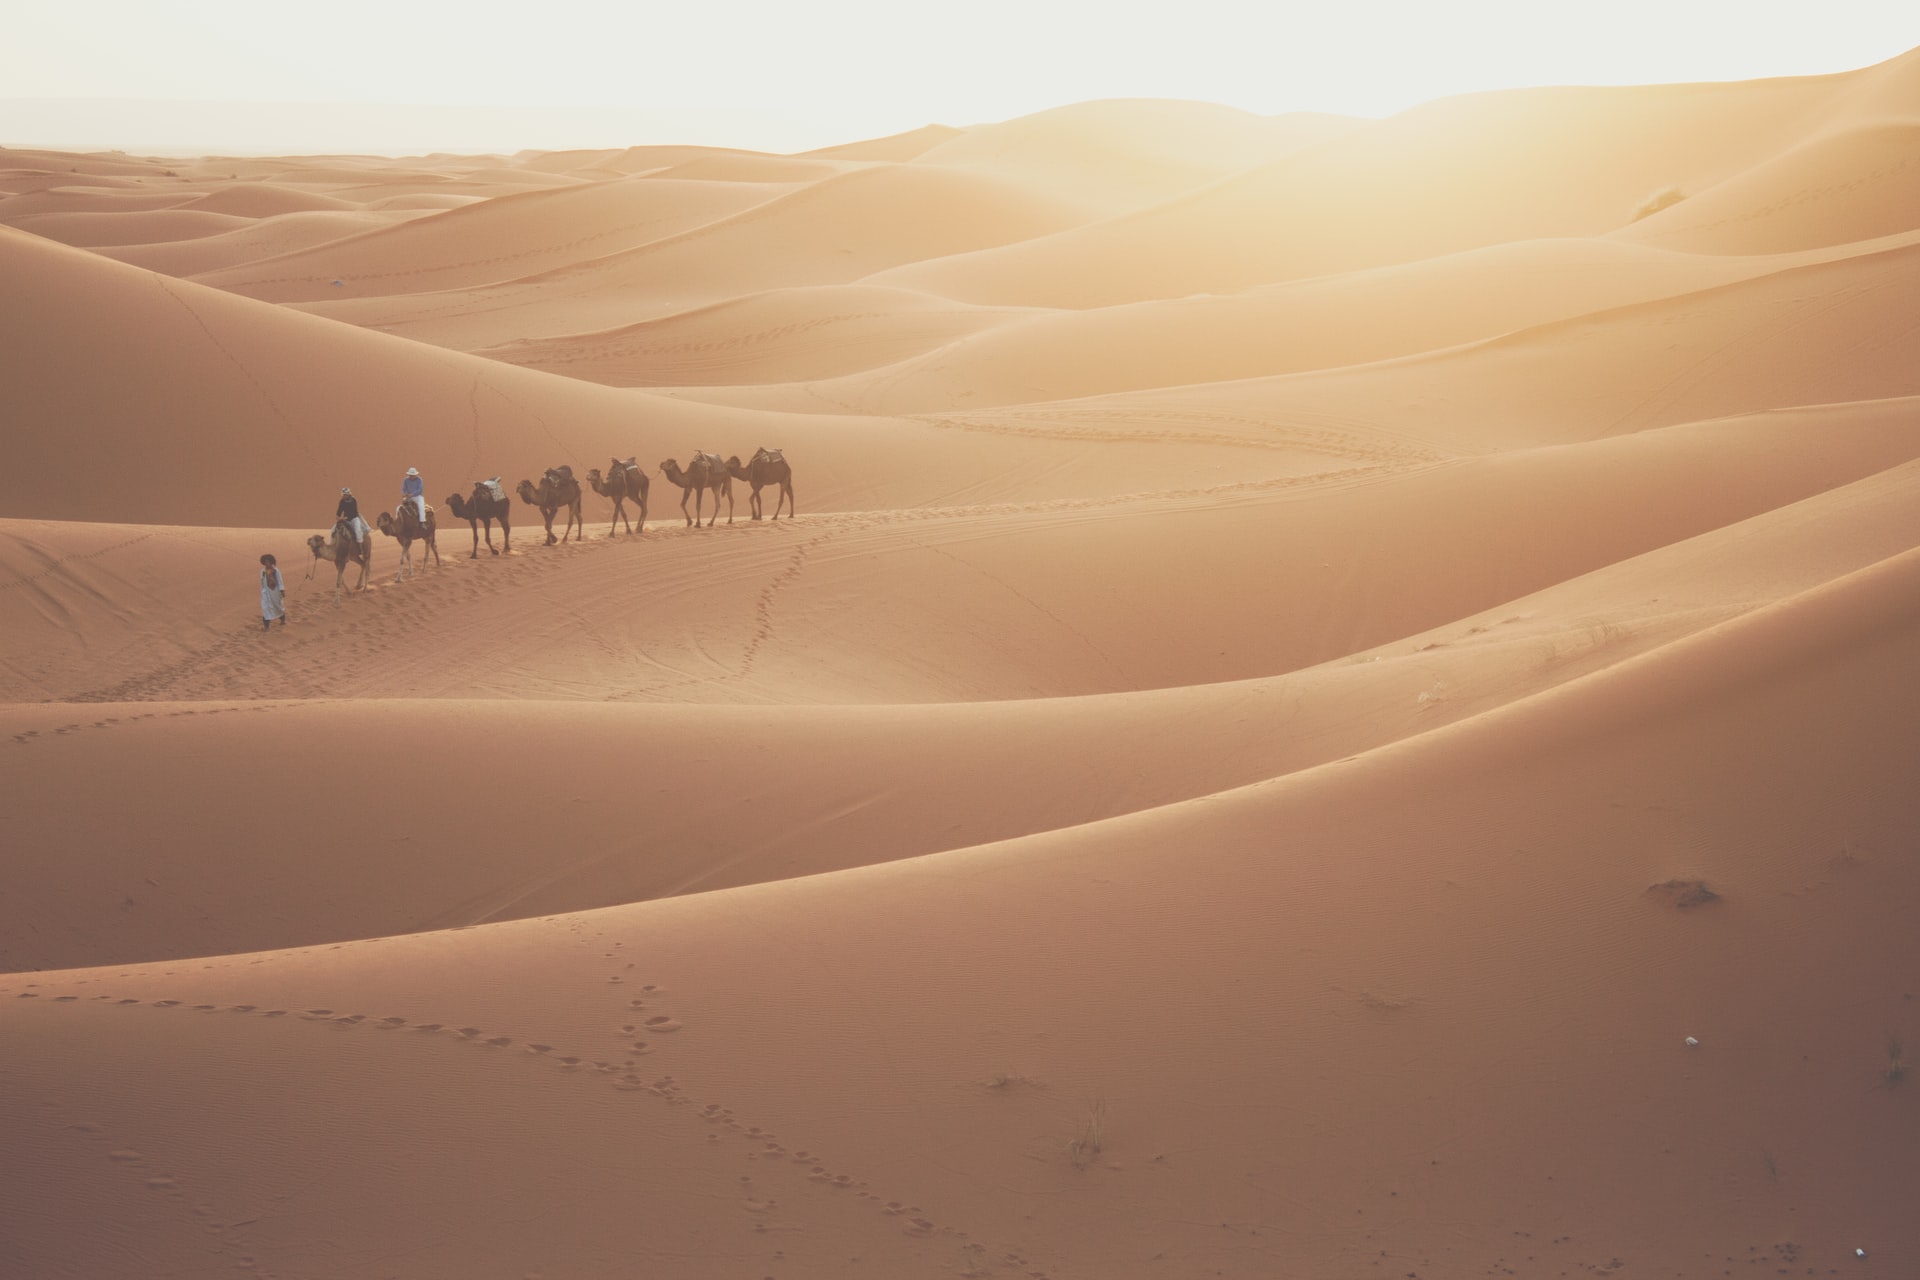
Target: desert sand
[1340,700]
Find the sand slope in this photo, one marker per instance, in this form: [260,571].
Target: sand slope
[1312,656]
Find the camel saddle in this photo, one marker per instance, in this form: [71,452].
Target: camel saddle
[713,460]
[559,475]
[771,455]
[629,465]
[495,489]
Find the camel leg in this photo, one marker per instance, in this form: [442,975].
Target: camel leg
[716,504]
[475,526]
[786,496]
[753,502]
[433,550]
[548,516]
[506,536]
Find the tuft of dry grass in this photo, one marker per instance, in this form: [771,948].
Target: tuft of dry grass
[1896,1068]
[1091,1140]
[1665,198]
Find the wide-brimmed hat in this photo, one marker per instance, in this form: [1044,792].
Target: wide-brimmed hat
[413,471]
[344,489]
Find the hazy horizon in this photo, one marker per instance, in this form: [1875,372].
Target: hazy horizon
[209,76]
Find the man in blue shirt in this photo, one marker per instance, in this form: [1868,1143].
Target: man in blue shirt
[414,488]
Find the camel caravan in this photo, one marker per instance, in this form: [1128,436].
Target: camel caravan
[624,484]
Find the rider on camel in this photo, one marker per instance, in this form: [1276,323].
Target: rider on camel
[414,489]
[348,514]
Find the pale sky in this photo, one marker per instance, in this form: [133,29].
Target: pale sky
[787,76]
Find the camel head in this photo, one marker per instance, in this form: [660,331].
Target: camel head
[384,523]
[593,478]
[669,468]
[737,467]
[526,491]
[317,545]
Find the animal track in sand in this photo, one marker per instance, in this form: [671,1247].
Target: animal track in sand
[761,1143]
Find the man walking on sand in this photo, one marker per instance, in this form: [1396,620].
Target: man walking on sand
[273,593]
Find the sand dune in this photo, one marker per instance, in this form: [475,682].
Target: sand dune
[984,1085]
[1128,153]
[264,238]
[834,231]
[1479,171]
[1338,701]
[1838,188]
[264,200]
[784,336]
[155,227]
[895,147]
[493,240]
[1803,336]
[1323,323]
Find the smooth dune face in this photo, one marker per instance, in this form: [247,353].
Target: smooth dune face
[1336,699]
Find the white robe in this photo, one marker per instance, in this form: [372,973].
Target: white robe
[273,599]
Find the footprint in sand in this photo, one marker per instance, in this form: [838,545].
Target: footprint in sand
[500,1042]
[662,1024]
[430,1026]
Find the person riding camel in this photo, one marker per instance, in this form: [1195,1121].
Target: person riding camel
[347,515]
[415,489]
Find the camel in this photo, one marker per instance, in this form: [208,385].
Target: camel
[557,489]
[769,466]
[705,471]
[484,508]
[408,529]
[341,547]
[624,480]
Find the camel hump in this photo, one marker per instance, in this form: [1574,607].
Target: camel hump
[560,474]
[494,489]
[769,455]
